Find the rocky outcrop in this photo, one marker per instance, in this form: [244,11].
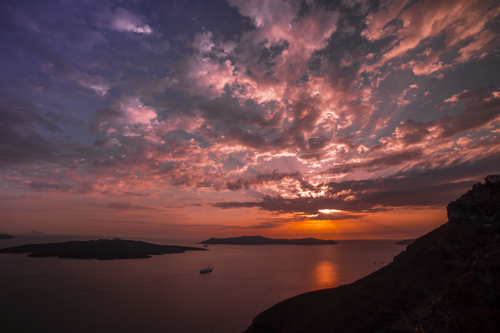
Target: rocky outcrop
[478,205]
[446,281]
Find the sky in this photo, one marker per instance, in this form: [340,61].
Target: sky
[193,119]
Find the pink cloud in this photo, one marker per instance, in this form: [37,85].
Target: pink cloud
[478,48]
[277,24]
[94,82]
[291,94]
[458,20]
[124,21]
[376,23]
[121,117]
[267,12]
[482,106]
[208,71]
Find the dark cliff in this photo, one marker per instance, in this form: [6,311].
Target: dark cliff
[446,281]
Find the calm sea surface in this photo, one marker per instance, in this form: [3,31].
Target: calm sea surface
[167,293]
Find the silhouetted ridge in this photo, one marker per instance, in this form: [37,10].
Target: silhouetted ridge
[103,249]
[446,281]
[259,240]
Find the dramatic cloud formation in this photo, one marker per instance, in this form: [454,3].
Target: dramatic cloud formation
[334,119]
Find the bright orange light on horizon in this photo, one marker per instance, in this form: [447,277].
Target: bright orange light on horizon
[329,211]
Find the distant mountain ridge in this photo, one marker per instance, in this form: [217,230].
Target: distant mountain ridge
[446,281]
[260,240]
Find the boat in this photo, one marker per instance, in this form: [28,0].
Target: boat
[205,245]
[207,269]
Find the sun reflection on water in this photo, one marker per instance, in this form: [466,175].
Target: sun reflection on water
[325,275]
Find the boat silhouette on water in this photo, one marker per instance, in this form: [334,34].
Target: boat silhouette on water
[206,269]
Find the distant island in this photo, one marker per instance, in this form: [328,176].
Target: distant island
[35,232]
[405,242]
[259,240]
[446,281]
[102,249]
[5,236]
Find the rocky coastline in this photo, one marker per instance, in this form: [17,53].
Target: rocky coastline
[446,281]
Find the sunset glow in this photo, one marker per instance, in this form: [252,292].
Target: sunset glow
[347,119]
[328,211]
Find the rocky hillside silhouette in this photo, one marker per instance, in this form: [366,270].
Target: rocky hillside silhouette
[446,281]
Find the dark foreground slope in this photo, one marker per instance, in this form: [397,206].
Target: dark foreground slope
[259,240]
[446,281]
[103,249]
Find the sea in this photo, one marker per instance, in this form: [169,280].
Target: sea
[167,293]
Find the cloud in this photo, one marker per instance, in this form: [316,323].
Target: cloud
[27,196]
[379,163]
[124,116]
[124,21]
[261,180]
[463,23]
[49,186]
[377,23]
[128,205]
[94,82]
[348,103]
[482,106]
[425,184]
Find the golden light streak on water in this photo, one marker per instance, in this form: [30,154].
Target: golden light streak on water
[325,275]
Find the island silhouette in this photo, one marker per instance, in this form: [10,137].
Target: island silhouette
[6,236]
[102,249]
[260,240]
